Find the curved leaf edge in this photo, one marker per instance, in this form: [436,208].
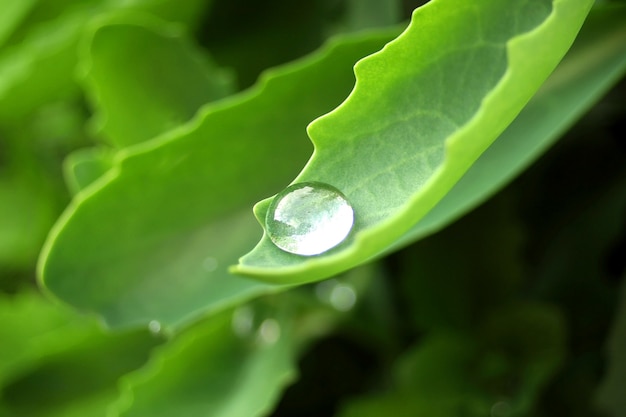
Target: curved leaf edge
[168,351]
[428,226]
[263,84]
[367,244]
[171,30]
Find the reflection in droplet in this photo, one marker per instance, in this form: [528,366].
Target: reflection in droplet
[243,321]
[154,326]
[340,295]
[269,332]
[309,218]
[209,264]
[501,409]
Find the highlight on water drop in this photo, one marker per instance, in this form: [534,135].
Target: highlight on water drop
[154,327]
[309,218]
[269,332]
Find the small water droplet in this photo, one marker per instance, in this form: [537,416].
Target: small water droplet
[309,218]
[269,332]
[154,327]
[209,264]
[501,409]
[243,321]
[343,297]
[340,295]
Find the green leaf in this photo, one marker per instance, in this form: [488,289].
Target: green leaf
[610,395]
[505,364]
[209,370]
[450,282]
[41,68]
[28,205]
[423,110]
[146,77]
[372,13]
[12,14]
[85,166]
[596,61]
[65,361]
[155,237]
[27,210]
[189,13]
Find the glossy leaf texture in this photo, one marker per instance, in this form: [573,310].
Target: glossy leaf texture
[156,233]
[422,111]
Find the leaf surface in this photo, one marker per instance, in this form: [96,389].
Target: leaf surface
[156,235]
[83,167]
[176,78]
[12,14]
[596,61]
[209,370]
[422,111]
[64,360]
[610,395]
[42,67]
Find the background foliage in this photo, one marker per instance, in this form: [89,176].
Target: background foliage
[485,272]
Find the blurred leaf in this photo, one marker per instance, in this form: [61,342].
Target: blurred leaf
[209,370]
[587,218]
[610,395]
[156,236]
[145,77]
[596,61]
[449,281]
[432,134]
[28,206]
[365,14]
[63,360]
[84,166]
[190,13]
[250,36]
[41,68]
[12,14]
[503,366]
[26,213]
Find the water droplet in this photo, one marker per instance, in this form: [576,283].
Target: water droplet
[340,295]
[309,218]
[501,409]
[154,327]
[243,321]
[343,297]
[209,264]
[269,332]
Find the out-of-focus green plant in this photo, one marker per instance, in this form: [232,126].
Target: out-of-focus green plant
[134,143]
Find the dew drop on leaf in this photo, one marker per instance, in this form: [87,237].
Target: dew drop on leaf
[340,296]
[243,321]
[209,264]
[309,218]
[269,332]
[154,326]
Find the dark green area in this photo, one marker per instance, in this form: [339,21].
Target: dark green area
[136,135]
